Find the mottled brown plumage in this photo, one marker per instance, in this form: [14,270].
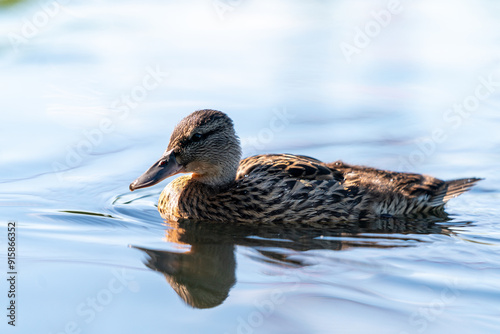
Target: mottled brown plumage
[279,187]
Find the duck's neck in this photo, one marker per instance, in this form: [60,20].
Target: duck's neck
[218,174]
[215,180]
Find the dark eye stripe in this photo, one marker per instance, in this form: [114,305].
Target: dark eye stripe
[201,136]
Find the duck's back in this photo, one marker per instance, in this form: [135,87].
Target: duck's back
[338,190]
[285,187]
[397,193]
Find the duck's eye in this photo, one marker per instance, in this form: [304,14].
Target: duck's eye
[196,137]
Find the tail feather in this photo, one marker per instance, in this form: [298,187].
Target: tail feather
[452,189]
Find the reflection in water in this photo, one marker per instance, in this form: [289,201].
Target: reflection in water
[203,276]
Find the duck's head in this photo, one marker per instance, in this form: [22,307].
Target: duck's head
[203,143]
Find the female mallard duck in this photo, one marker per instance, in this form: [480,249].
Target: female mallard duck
[279,187]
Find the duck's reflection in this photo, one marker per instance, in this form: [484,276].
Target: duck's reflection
[203,276]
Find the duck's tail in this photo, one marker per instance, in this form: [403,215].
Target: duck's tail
[451,189]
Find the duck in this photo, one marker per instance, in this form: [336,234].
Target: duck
[277,188]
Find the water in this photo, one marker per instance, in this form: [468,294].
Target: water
[92,90]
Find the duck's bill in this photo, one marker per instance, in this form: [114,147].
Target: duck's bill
[163,168]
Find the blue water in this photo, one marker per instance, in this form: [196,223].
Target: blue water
[91,91]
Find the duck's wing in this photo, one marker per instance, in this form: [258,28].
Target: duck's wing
[289,166]
[435,191]
[286,187]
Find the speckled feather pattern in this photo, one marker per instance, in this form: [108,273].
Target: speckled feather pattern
[284,187]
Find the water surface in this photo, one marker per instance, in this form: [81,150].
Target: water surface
[92,93]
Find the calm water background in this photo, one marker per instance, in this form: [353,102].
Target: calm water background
[91,90]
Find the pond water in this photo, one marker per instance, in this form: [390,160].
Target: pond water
[91,91]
